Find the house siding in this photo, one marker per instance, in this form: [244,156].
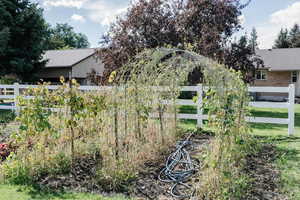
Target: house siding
[275,79]
[82,69]
[56,72]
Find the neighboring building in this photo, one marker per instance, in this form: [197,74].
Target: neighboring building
[77,63]
[281,68]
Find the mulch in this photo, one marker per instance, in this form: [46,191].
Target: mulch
[260,167]
[147,185]
[80,178]
[265,184]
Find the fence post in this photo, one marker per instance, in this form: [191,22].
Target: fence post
[16,94]
[199,106]
[291,109]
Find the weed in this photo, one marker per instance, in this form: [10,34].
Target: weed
[119,180]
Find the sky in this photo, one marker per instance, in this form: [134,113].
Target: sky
[92,17]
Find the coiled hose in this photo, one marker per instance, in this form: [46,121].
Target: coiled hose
[179,168]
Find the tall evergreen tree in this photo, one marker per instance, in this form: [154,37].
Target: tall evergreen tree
[22,38]
[294,36]
[253,39]
[282,40]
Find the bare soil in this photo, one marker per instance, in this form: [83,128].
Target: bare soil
[265,177]
[81,177]
[265,184]
[147,185]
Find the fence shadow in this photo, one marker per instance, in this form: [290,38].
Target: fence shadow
[273,114]
[278,139]
[263,126]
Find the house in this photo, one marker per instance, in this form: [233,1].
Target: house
[281,68]
[75,63]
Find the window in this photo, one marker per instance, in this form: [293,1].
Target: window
[261,75]
[294,77]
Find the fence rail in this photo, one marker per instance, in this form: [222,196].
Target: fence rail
[13,91]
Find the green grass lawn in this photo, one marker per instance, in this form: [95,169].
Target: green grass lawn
[8,192]
[289,147]
[6,116]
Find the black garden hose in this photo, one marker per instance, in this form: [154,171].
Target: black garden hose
[179,169]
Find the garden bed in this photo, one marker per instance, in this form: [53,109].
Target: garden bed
[146,185]
[265,178]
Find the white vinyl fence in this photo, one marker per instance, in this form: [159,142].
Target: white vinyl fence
[13,91]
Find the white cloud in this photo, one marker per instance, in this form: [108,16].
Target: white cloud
[267,35]
[284,18]
[104,12]
[64,3]
[287,17]
[78,18]
[242,19]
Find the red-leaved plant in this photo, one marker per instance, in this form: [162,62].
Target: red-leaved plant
[4,151]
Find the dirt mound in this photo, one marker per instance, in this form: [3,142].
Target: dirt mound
[81,177]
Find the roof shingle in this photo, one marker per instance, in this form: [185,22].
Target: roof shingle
[66,58]
[280,59]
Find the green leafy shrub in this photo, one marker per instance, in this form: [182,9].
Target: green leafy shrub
[14,171]
[6,116]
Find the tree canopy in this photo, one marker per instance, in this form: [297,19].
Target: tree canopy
[207,25]
[253,39]
[288,38]
[22,38]
[282,40]
[63,36]
[241,55]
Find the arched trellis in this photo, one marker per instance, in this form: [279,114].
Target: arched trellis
[226,101]
[123,130]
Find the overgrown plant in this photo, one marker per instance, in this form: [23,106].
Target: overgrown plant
[227,101]
[132,122]
[127,124]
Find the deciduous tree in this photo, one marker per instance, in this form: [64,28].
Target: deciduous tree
[241,57]
[63,36]
[206,24]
